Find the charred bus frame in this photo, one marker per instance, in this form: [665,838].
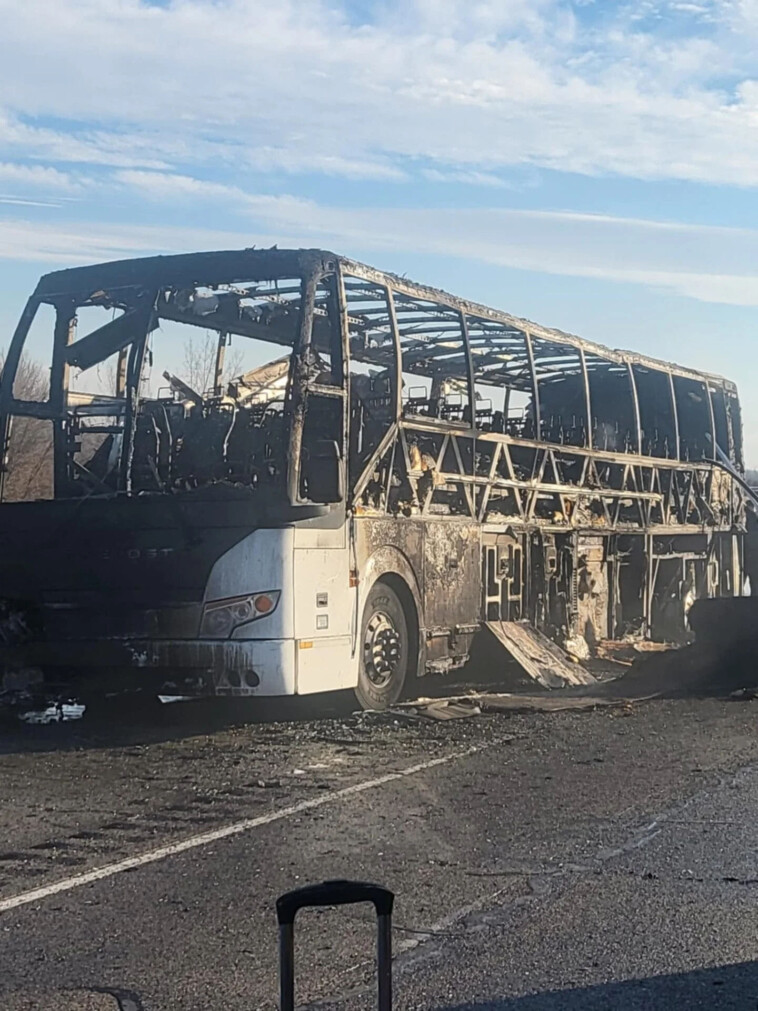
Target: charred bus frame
[592,493]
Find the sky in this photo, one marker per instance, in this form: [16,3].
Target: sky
[587,164]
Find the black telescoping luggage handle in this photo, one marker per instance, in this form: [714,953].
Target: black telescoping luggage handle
[333,893]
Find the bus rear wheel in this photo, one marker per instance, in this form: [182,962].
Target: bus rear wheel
[384,648]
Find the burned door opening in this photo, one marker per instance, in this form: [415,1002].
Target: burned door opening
[503,578]
[593,602]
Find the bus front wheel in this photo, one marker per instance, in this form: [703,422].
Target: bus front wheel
[384,647]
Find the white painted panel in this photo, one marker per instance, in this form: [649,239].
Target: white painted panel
[273,660]
[315,537]
[323,573]
[325,666]
[261,561]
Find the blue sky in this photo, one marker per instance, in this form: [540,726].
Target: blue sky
[590,165]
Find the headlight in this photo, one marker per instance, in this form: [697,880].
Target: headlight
[221,617]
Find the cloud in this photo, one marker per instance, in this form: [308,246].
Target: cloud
[77,243]
[704,263]
[76,145]
[308,86]
[167,186]
[26,202]
[38,177]
[470,178]
[294,162]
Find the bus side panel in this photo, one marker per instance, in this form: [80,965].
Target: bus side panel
[380,544]
[440,563]
[389,545]
[324,605]
[452,573]
[452,589]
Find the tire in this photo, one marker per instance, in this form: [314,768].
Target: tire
[385,649]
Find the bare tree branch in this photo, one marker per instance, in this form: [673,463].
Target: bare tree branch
[199,362]
[30,452]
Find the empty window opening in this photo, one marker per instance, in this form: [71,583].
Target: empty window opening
[694,414]
[562,393]
[657,422]
[502,378]
[613,421]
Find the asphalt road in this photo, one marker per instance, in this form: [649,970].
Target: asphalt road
[606,859]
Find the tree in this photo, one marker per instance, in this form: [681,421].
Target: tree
[197,367]
[30,449]
[199,362]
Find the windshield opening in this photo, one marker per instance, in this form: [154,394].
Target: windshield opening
[163,390]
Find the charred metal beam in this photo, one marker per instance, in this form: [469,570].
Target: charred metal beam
[123,358]
[675,416]
[398,378]
[535,383]
[269,333]
[587,399]
[179,386]
[471,382]
[113,337]
[94,404]
[636,405]
[63,337]
[134,370]
[183,270]
[295,400]
[388,439]
[339,300]
[218,366]
[712,416]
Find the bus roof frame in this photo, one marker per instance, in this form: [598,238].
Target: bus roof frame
[231,266]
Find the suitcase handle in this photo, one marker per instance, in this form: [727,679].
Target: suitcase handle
[335,893]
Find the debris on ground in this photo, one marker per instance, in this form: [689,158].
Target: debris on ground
[461,707]
[577,648]
[626,651]
[713,667]
[58,713]
[454,708]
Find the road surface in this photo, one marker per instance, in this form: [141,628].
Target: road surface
[606,859]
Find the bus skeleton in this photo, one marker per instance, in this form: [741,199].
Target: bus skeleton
[400,469]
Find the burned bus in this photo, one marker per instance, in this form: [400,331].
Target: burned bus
[400,469]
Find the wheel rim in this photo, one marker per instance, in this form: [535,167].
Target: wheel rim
[381,649]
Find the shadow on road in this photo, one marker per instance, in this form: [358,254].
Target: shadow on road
[727,987]
[139,719]
[127,722]
[135,720]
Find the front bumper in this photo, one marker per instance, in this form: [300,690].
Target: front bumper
[213,667]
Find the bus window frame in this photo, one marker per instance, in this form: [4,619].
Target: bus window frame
[301,386]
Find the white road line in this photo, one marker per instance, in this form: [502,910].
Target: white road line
[205,838]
